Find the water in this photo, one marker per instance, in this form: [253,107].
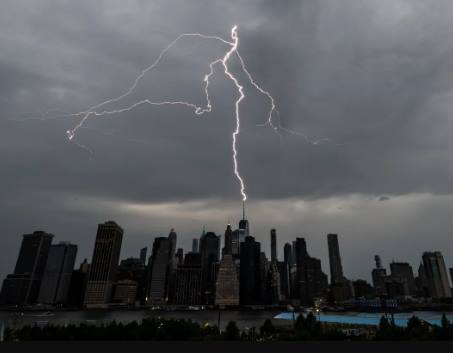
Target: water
[372,318]
[244,319]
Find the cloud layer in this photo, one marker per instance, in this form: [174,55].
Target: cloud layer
[373,77]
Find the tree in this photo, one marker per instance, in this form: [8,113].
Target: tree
[416,328]
[445,324]
[307,328]
[444,331]
[267,329]
[232,332]
[313,326]
[300,323]
[388,331]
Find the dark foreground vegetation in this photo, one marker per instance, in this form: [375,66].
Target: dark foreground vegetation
[303,329]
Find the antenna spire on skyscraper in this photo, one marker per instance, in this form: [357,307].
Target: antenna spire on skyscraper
[243,209]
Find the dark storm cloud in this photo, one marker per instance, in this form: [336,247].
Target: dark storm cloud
[375,77]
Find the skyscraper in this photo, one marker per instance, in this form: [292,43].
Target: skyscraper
[143,253]
[132,269]
[195,246]
[159,270]
[451,274]
[172,236]
[125,292]
[227,282]
[173,264]
[228,247]
[77,288]
[23,286]
[422,282]
[288,254]
[244,227]
[362,289]
[104,264]
[273,245]
[57,274]
[341,288]
[250,274]
[210,251]
[403,273]
[336,269]
[188,281]
[236,243]
[311,282]
[264,269]
[436,275]
[273,295]
[379,275]
[179,256]
[283,270]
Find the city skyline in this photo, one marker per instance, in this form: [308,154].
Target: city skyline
[319,249]
[371,80]
[239,274]
[333,262]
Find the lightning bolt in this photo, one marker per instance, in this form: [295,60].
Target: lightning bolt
[98,110]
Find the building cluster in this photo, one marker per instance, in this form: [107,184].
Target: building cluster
[237,274]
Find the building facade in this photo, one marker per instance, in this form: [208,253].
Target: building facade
[210,252]
[250,272]
[311,281]
[227,283]
[57,274]
[273,245]
[188,281]
[102,275]
[436,275]
[23,286]
[158,267]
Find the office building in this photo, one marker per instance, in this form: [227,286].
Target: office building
[22,287]
[311,281]
[195,245]
[125,292]
[436,275]
[250,272]
[210,252]
[104,264]
[133,269]
[283,270]
[362,289]
[228,247]
[288,254]
[273,284]
[78,284]
[273,245]
[336,268]
[402,272]
[159,270]
[379,275]
[341,288]
[57,274]
[227,283]
[143,253]
[188,281]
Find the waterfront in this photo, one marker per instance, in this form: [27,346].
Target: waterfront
[371,318]
[244,319]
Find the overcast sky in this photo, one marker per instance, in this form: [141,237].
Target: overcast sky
[374,77]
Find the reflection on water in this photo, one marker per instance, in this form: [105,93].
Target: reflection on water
[372,318]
